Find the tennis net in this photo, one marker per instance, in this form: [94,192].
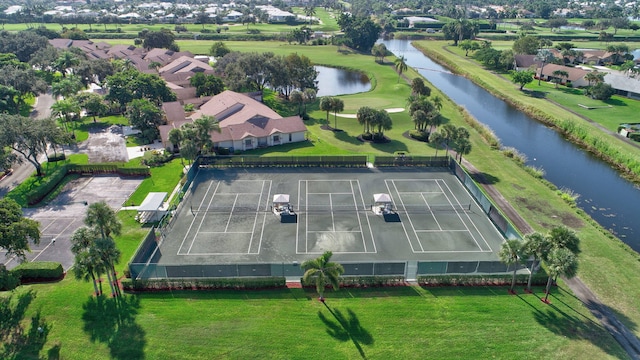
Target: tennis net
[319,209]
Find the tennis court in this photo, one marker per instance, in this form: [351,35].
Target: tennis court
[226,217]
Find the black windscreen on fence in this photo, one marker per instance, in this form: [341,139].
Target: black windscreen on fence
[288,161]
[406,160]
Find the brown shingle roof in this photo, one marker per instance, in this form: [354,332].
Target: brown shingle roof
[574,73]
[185,64]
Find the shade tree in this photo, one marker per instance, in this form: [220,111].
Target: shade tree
[16,231]
[522,78]
[29,137]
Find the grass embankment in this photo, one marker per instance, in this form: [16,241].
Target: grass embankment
[619,154]
[608,266]
[382,323]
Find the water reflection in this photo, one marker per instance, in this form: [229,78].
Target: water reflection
[332,81]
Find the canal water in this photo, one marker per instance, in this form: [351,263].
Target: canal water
[610,200]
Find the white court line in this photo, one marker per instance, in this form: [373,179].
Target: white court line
[421,192]
[231,213]
[472,222]
[193,240]
[225,232]
[355,202]
[255,219]
[264,219]
[408,217]
[460,217]
[297,222]
[194,218]
[430,211]
[333,222]
[306,218]
[373,241]
[329,193]
[406,234]
[338,231]
[442,230]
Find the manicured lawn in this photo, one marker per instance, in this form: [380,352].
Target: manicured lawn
[400,323]
[609,113]
[405,322]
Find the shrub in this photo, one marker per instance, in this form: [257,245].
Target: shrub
[223,151]
[419,135]
[8,279]
[634,136]
[203,284]
[156,158]
[46,186]
[39,271]
[539,278]
[56,157]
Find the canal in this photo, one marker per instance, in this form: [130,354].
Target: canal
[610,200]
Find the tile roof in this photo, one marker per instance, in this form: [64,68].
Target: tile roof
[231,108]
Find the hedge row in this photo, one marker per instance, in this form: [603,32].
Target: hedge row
[49,183]
[366,281]
[480,280]
[29,272]
[203,284]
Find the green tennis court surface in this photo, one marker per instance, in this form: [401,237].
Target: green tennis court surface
[226,218]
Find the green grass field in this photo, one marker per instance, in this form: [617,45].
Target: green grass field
[405,322]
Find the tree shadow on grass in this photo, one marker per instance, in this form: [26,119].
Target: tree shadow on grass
[112,321]
[18,342]
[346,328]
[535,93]
[575,327]
[484,178]
[390,147]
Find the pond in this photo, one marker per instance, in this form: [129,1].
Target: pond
[333,82]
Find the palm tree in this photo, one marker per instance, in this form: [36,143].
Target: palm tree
[204,126]
[537,246]
[326,104]
[365,117]
[560,261]
[308,96]
[105,249]
[83,239]
[436,138]
[337,106]
[510,254]
[65,61]
[463,147]
[86,267]
[558,75]
[448,132]
[437,102]
[419,119]
[401,65]
[65,109]
[103,219]
[563,237]
[322,272]
[545,56]
[310,11]
[594,77]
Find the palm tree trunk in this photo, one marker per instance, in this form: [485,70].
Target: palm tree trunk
[113,291]
[533,266]
[95,284]
[513,279]
[548,288]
